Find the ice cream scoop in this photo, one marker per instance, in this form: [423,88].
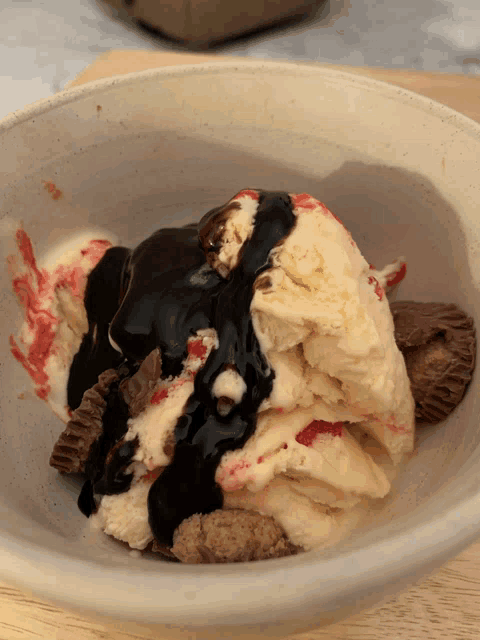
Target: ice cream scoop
[251,364]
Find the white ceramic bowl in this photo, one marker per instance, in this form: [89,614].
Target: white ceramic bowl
[164,146]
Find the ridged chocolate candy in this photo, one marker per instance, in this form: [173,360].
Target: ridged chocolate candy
[438,343]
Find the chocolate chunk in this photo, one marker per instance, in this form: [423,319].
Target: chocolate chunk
[72,449]
[438,343]
[230,535]
[211,236]
[138,389]
[164,551]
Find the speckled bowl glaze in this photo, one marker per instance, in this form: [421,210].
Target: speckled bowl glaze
[162,147]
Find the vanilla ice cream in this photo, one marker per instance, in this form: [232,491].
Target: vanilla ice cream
[256,368]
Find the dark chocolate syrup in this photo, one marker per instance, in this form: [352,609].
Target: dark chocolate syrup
[102,298]
[162,307]
[171,294]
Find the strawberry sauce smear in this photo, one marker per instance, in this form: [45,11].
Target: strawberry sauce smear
[159,396]
[379,290]
[35,362]
[389,423]
[397,276]
[308,202]
[52,189]
[249,193]
[305,201]
[397,428]
[152,474]
[235,476]
[316,428]
[197,349]
[35,291]
[95,249]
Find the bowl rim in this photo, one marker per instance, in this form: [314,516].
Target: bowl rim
[185,595]
[86,89]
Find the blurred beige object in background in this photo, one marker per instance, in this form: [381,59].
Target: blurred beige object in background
[200,23]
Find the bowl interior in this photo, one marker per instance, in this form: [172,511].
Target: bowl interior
[162,149]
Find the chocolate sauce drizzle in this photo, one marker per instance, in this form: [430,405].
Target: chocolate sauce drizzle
[171,294]
[102,298]
[164,303]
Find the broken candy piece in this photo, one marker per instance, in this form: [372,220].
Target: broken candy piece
[72,448]
[138,389]
[230,535]
[164,551]
[438,343]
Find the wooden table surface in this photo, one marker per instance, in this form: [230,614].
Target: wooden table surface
[446,605]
